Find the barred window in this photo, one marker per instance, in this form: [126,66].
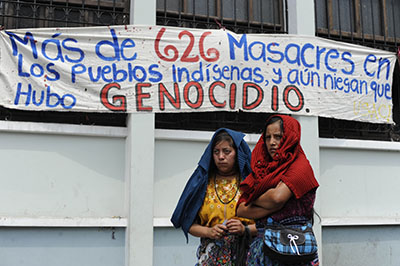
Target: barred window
[16,14]
[374,23]
[240,16]
[56,13]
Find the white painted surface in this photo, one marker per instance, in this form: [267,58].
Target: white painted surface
[140,165]
[62,129]
[61,246]
[301,18]
[55,175]
[139,189]
[359,181]
[362,246]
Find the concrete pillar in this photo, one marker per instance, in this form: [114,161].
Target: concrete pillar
[140,180]
[140,166]
[301,19]
[310,144]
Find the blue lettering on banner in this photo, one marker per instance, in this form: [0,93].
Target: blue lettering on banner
[73,49]
[116,73]
[51,99]
[370,59]
[38,70]
[374,66]
[113,59]
[118,51]
[278,73]
[28,38]
[346,58]
[306,55]
[334,54]
[215,72]
[280,55]
[261,51]
[58,45]
[242,43]
[296,59]
[303,51]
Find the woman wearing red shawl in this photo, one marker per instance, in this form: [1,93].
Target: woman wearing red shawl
[281,186]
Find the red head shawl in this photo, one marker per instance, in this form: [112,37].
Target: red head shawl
[289,165]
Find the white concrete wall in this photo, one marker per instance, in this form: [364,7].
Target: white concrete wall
[62,184]
[359,182]
[51,171]
[69,193]
[62,195]
[358,195]
[360,202]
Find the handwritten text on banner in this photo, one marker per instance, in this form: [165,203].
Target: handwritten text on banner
[163,69]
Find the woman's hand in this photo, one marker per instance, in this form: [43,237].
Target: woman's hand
[217,231]
[235,226]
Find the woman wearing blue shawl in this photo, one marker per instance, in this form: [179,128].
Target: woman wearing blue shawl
[207,206]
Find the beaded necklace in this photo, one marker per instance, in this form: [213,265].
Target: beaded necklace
[220,200]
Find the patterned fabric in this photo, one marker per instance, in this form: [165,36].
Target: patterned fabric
[220,252]
[294,207]
[291,239]
[212,211]
[192,196]
[256,255]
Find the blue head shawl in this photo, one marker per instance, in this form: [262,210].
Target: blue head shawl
[193,195]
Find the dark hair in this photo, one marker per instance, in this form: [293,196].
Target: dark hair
[271,121]
[222,136]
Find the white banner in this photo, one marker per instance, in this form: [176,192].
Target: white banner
[164,69]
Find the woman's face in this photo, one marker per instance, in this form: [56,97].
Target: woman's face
[224,156]
[273,136]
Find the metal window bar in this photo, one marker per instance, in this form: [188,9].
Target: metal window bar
[235,15]
[380,39]
[273,14]
[339,19]
[362,23]
[394,23]
[261,17]
[384,23]
[373,22]
[56,13]
[249,5]
[351,10]
[363,26]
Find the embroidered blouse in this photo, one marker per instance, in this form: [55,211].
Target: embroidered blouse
[213,211]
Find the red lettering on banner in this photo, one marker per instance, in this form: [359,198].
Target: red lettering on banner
[163,92]
[115,99]
[291,107]
[211,55]
[257,101]
[232,96]
[167,49]
[211,94]
[200,95]
[275,102]
[186,53]
[209,51]
[140,95]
